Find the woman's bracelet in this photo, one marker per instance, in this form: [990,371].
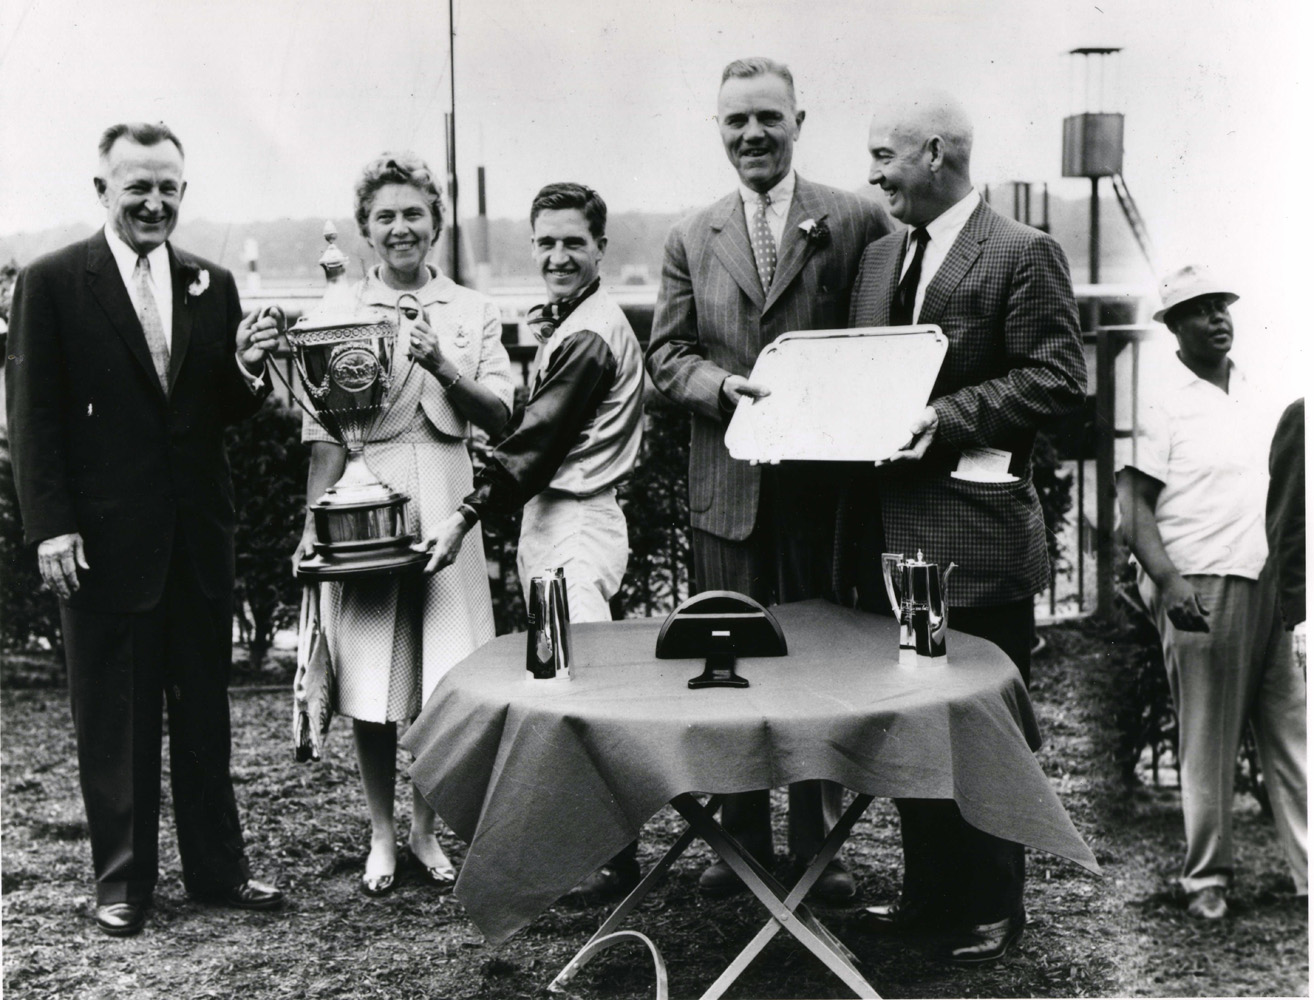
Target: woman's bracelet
[447,385]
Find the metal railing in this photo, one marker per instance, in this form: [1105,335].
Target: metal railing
[1116,414]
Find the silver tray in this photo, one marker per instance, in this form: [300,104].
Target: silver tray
[837,395]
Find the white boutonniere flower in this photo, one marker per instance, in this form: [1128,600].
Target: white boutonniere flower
[201,283]
[815,231]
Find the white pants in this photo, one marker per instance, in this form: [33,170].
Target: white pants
[1240,671]
[587,537]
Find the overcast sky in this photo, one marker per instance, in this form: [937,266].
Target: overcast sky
[280,102]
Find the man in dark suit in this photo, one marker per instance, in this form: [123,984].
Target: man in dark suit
[961,490]
[128,358]
[777,254]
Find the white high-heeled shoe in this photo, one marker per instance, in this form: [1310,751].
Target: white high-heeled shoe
[441,875]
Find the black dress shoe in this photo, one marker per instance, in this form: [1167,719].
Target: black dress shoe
[609,884]
[121,919]
[835,886]
[719,880]
[252,895]
[900,918]
[987,942]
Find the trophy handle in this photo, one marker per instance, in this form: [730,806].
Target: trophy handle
[939,630]
[889,560]
[317,391]
[419,308]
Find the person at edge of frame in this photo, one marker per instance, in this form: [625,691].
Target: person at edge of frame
[130,358]
[1192,490]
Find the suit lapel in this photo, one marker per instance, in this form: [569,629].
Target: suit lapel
[794,246]
[108,289]
[882,277]
[962,255]
[731,246]
[181,272]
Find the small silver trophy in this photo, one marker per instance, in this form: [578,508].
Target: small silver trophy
[344,357]
[547,641]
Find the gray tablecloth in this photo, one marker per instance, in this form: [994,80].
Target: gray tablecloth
[546,780]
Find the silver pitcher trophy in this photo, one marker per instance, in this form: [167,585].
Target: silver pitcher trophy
[916,590]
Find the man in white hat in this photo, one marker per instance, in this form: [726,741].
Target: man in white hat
[1192,491]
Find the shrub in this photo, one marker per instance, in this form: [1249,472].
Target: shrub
[656,504]
[269,465]
[1143,713]
[1055,492]
[29,612]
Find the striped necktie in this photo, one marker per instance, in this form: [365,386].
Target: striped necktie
[149,314]
[764,244]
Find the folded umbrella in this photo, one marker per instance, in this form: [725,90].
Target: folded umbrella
[314,686]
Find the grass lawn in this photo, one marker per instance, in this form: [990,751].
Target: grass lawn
[1126,934]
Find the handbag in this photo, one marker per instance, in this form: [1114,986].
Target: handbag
[315,684]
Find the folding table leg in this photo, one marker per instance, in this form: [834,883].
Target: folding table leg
[628,905]
[829,848]
[782,906]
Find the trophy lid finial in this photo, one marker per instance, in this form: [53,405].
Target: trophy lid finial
[332,260]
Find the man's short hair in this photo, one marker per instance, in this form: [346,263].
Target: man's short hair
[569,195]
[746,69]
[396,168]
[142,133]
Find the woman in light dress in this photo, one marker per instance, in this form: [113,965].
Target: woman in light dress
[392,638]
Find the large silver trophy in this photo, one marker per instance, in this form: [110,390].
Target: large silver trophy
[344,356]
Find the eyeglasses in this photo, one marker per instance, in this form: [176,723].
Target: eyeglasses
[1203,307]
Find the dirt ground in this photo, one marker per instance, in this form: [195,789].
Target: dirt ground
[1125,934]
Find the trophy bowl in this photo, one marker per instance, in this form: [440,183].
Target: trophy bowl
[344,359]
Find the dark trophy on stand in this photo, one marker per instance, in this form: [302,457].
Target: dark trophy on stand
[344,354]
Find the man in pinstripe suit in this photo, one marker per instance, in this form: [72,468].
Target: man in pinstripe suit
[961,490]
[777,254]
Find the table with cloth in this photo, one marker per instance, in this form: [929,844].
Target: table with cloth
[546,780]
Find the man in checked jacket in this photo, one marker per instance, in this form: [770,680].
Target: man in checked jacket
[961,489]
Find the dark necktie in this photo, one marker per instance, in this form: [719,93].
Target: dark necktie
[901,312]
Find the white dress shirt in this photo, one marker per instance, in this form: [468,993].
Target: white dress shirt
[777,212]
[161,280]
[161,283]
[942,230]
[1209,448]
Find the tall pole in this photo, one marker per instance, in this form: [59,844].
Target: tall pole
[1094,230]
[1106,350]
[451,145]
